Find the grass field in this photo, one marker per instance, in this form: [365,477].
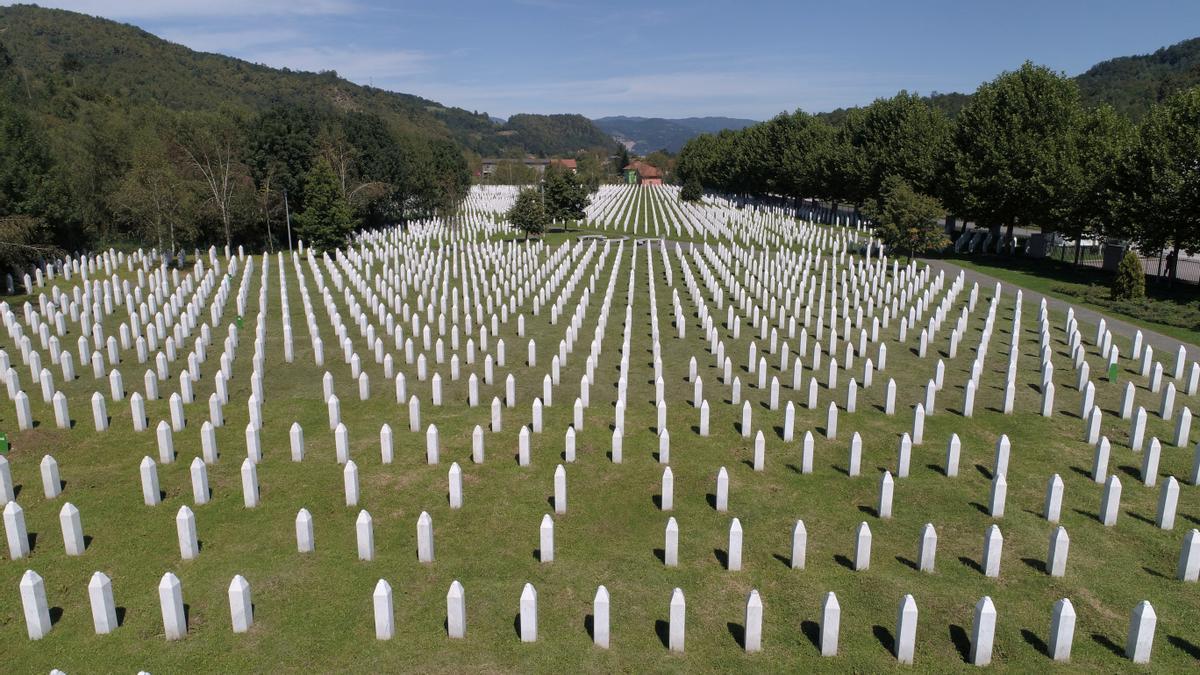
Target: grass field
[313,611]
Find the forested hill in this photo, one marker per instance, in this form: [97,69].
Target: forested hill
[100,60]
[555,134]
[1130,84]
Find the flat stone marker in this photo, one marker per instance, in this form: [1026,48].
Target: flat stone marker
[600,618]
[241,608]
[104,609]
[831,622]
[528,614]
[385,617]
[1062,631]
[983,632]
[35,606]
[1140,642]
[906,630]
[170,601]
[677,619]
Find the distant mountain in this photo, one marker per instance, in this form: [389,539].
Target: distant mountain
[1130,84]
[643,135]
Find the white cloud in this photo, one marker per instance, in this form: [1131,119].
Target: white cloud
[175,9]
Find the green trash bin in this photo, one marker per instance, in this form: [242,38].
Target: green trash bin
[3,443]
[239,321]
[1112,372]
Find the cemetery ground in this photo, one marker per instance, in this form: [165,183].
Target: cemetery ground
[313,611]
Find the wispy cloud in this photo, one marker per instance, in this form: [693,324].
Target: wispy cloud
[381,67]
[176,9]
[233,41]
[742,93]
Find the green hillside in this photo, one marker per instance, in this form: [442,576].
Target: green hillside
[1130,84]
[60,55]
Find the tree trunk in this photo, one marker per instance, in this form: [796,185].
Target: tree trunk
[1078,247]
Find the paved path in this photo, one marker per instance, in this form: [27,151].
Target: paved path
[1164,346]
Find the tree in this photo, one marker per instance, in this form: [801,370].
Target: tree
[34,202]
[565,195]
[1130,281]
[1161,178]
[1091,200]
[622,159]
[1015,144]
[527,213]
[326,220]
[152,195]
[691,192]
[905,219]
[899,136]
[209,143]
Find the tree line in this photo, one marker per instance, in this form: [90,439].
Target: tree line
[1023,151]
[103,172]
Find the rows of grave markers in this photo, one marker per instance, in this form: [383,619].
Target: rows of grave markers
[452,304]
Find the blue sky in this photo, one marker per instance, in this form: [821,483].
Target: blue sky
[662,58]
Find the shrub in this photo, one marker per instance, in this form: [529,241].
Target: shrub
[1130,280]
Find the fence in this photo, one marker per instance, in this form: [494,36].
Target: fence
[1157,266]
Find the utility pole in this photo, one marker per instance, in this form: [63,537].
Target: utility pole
[287,215]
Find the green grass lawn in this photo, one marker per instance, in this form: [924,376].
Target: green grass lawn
[313,611]
[1173,312]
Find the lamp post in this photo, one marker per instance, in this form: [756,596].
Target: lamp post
[288,216]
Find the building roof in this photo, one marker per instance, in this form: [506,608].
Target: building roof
[565,163]
[644,170]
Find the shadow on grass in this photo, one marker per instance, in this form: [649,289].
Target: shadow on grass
[663,630]
[1104,641]
[962,643]
[885,638]
[738,631]
[1034,641]
[812,631]
[1189,648]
